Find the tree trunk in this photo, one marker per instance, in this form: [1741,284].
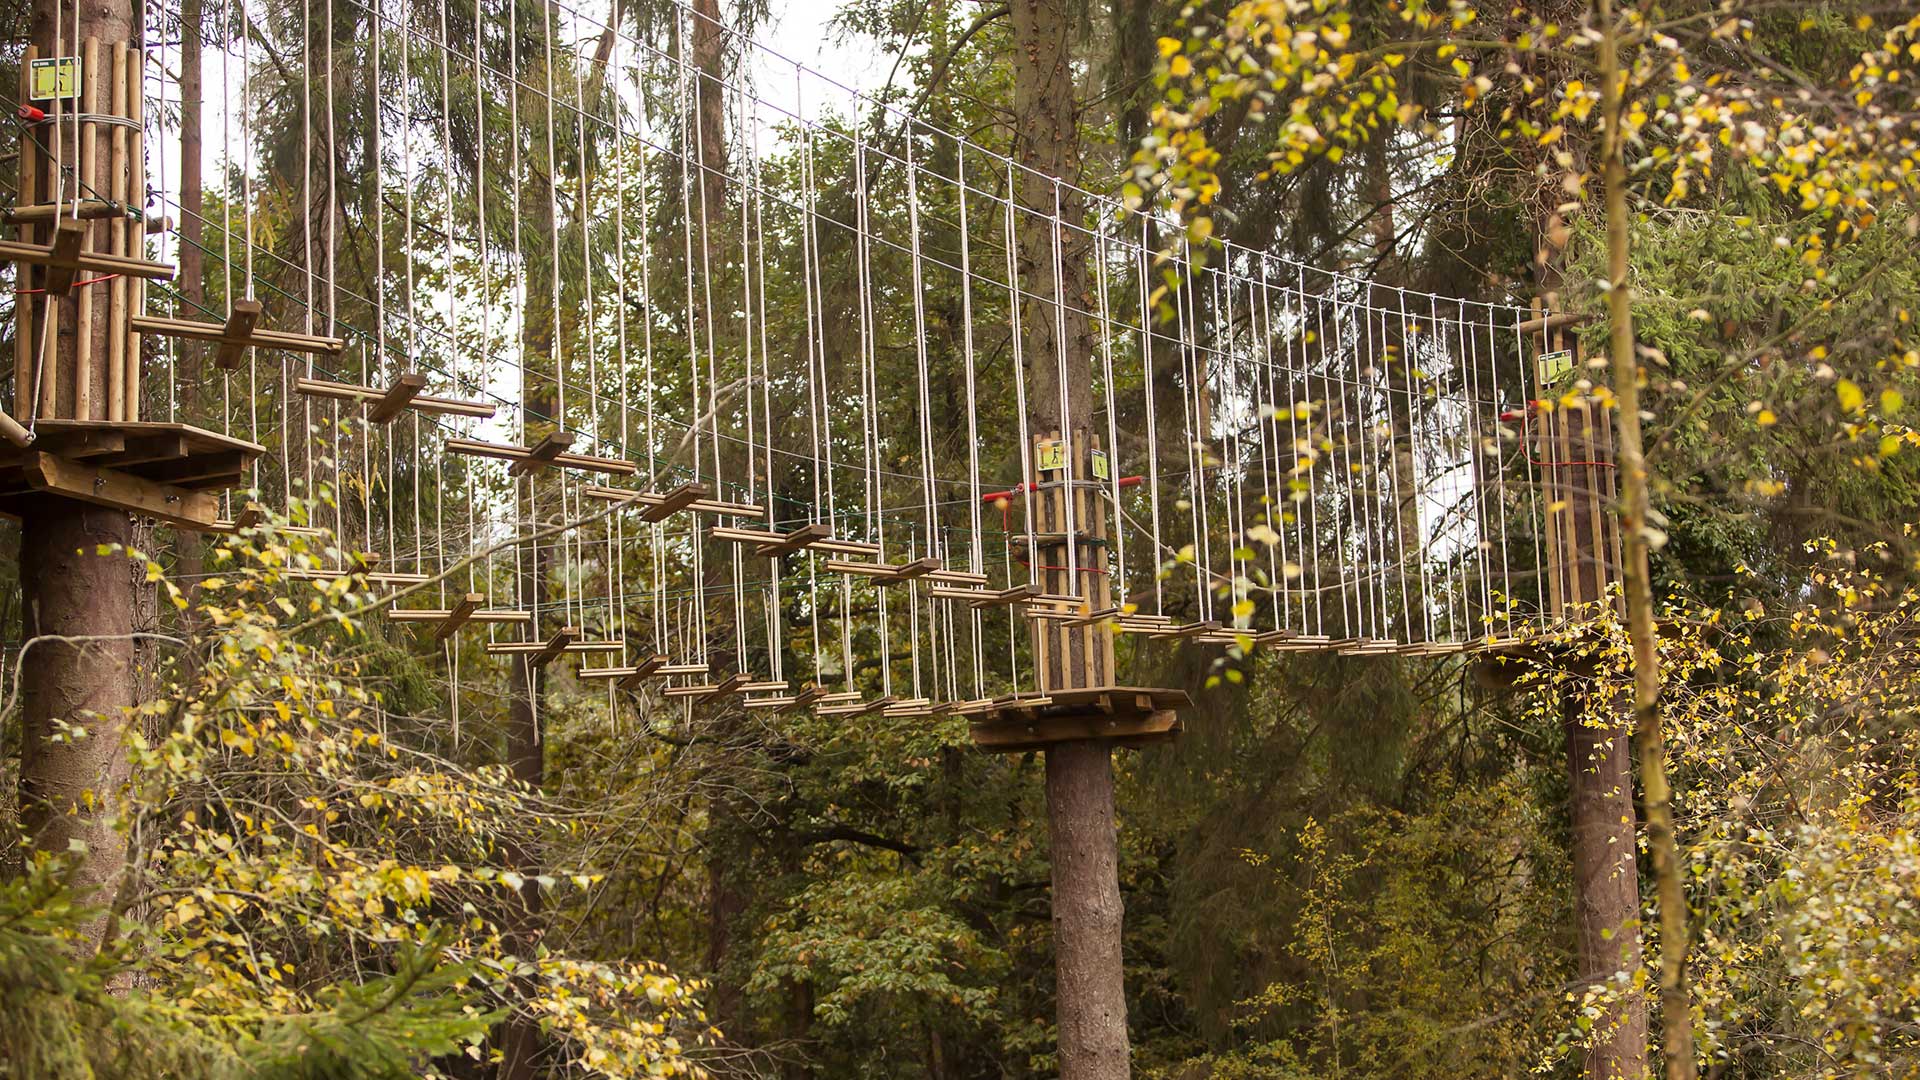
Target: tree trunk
[192,279]
[1601,817]
[69,789]
[1676,1012]
[1087,912]
[709,62]
[520,1037]
[1606,887]
[1090,984]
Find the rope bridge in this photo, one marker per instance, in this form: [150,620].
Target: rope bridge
[745,384]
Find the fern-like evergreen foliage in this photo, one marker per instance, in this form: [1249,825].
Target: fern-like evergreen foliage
[68,1012]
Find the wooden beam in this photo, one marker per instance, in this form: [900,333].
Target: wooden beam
[729,686]
[837,546]
[88,210]
[478,615]
[857,708]
[406,386]
[782,702]
[503,452]
[915,569]
[957,577]
[771,544]
[198,468]
[145,449]
[675,499]
[1092,618]
[970,597]
[1041,732]
[122,491]
[93,262]
[80,445]
[883,573]
[425,403]
[237,336]
[542,454]
[194,330]
[1545,323]
[711,692]
[11,430]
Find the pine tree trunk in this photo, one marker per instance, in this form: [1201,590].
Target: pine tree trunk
[1606,887]
[192,279]
[1090,984]
[69,787]
[1087,912]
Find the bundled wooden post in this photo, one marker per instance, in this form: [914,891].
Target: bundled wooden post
[1072,654]
[98,377]
[1574,447]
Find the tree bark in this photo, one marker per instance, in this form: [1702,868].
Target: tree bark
[520,1037]
[192,279]
[1676,1011]
[1087,912]
[1606,886]
[709,62]
[69,789]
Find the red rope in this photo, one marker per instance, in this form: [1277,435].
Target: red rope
[77,284]
[1525,441]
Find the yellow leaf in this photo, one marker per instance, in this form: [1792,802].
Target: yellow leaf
[1851,399]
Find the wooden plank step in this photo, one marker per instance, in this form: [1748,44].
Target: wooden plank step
[771,544]
[662,505]
[468,610]
[883,573]
[387,404]
[707,693]
[857,707]
[553,456]
[241,331]
[574,645]
[64,259]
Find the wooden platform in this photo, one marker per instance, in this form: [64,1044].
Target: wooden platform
[161,470]
[1122,715]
